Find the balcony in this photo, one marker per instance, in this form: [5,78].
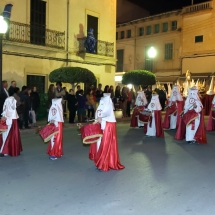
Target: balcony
[102,48]
[37,35]
[198,7]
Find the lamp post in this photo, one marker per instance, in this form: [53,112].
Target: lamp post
[3,30]
[152,54]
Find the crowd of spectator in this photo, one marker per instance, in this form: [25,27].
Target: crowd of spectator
[27,102]
[77,102]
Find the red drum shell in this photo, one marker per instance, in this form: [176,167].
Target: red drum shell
[3,126]
[189,117]
[91,133]
[144,118]
[213,114]
[48,132]
[171,110]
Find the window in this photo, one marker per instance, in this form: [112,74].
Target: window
[122,34]
[120,59]
[199,39]
[168,51]
[148,61]
[128,33]
[157,28]
[165,27]
[141,31]
[92,22]
[116,35]
[148,30]
[37,81]
[38,22]
[174,25]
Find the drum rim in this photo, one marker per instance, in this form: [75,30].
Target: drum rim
[90,137]
[47,139]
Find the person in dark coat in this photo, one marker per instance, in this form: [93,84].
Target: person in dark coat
[26,106]
[72,105]
[35,100]
[11,88]
[4,94]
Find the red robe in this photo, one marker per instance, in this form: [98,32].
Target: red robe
[134,122]
[180,107]
[107,157]
[200,135]
[57,150]
[207,105]
[13,144]
[211,123]
[158,123]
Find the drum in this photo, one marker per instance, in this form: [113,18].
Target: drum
[171,110]
[144,117]
[3,126]
[189,117]
[91,133]
[48,131]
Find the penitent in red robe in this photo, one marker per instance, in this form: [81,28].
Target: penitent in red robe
[180,107]
[13,144]
[107,156]
[134,119]
[200,135]
[57,150]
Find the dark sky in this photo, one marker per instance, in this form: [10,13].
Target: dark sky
[160,6]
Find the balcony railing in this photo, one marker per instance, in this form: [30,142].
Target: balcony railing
[198,7]
[102,47]
[24,33]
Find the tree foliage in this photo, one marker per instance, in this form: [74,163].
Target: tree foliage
[72,75]
[139,77]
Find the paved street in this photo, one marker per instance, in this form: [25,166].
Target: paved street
[161,177]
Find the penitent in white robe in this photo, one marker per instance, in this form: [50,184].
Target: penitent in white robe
[151,131]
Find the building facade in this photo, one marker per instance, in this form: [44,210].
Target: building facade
[183,39]
[198,44]
[48,34]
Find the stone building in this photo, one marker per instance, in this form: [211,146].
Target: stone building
[183,39]
[47,34]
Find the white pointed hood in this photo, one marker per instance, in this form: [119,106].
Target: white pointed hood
[175,95]
[56,111]
[192,98]
[9,110]
[105,109]
[169,90]
[155,103]
[211,88]
[141,99]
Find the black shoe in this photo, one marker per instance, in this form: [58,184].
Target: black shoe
[1,155]
[140,126]
[27,127]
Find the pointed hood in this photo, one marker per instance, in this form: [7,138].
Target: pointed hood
[211,89]
[56,111]
[169,89]
[155,103]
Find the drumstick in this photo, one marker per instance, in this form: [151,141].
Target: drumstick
[188,109]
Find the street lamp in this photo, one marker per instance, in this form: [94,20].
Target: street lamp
[3,30]
[152,54]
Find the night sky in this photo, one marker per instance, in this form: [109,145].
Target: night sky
[160,6]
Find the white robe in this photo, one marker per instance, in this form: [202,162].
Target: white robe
[151,131]
[173,120]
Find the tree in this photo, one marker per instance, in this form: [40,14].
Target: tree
[139,78]
[72,75]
